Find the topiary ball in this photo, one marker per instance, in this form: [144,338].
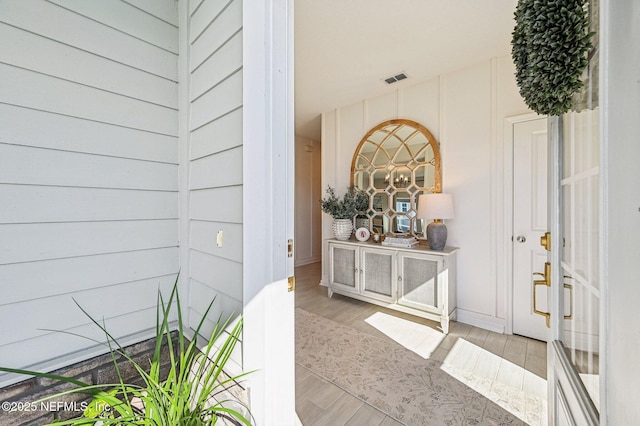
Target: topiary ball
[549,49]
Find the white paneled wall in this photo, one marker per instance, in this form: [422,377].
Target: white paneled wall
[308,232]
[88,171]
[465,111]
[215,158]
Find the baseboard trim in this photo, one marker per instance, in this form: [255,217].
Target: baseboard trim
[482,321]
[307,260]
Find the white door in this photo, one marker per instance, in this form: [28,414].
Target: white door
[268,227]
[529,224]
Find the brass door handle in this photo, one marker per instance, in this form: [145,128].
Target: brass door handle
[545,281]
[570,288]
[545,241]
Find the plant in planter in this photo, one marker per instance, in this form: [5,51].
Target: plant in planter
[343,210]
[192,394]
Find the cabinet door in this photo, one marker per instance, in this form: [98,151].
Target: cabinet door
[344,267]
[418,282]
[378,273]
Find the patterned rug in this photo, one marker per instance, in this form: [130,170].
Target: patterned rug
[398,382]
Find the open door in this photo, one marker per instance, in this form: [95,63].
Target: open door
[268,226]
[573,271]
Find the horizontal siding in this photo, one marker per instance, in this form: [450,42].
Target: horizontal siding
[219,135]
[216,170]
[27,165]
[223,63]
[208,107]
[45,241]
[63,132]
[232,239]
[39,91]
[64,314]
[67,27]
[220,29]
[95,71]
[161,9]
[216,158]
[30,203]
[88,172]
[130,20]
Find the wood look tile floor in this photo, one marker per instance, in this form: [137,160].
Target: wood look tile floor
[319,402]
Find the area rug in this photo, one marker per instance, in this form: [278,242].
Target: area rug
[398,382]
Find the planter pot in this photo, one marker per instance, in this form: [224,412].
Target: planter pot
[342,228]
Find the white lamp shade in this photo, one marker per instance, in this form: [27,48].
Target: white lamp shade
[435,206]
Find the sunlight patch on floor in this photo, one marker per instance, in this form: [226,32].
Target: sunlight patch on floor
[513,388]
[418,338]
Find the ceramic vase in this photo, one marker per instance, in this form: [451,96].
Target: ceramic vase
[342,228]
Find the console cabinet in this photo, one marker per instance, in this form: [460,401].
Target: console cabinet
[417,281]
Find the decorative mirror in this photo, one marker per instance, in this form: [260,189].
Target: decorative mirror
[394,163]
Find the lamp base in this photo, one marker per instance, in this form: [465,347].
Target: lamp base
[436,235]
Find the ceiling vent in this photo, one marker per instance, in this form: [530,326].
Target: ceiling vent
[395,78]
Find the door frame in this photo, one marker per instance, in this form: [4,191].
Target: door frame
[506,232]
[268,215]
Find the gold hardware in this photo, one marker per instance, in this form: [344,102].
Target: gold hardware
[291,285]
[545,281]
[545,241]
[290,248]
[570,288]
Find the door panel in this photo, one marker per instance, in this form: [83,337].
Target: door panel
[529,224]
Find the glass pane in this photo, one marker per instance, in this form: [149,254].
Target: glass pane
[361,179]
[380,224]
[380,202]
[580,253]
[401,224]
[381,158]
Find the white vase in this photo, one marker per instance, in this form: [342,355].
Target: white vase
[342,228]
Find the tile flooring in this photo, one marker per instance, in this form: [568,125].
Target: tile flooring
[492,355]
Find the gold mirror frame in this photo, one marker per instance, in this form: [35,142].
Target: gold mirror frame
[394,163]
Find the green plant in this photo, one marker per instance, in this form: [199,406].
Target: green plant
[549,46]
[184,398]
[353,201]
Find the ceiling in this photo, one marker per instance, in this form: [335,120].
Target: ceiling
[344,49]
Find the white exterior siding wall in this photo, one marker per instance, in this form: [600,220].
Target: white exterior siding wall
[214,163]
[88,172]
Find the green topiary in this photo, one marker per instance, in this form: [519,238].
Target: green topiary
[549,47]
[353,201]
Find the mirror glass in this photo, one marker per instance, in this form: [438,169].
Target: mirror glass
[395,162]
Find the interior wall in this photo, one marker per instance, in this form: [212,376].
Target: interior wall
[465,111]
[88,173]
[212,218]
[308,225]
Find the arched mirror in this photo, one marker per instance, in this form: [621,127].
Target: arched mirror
[394,163]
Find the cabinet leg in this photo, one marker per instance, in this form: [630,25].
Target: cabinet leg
[329,292]
[444,322]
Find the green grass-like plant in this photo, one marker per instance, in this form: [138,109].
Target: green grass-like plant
[184,398]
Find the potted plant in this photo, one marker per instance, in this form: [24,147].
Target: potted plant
[344,209]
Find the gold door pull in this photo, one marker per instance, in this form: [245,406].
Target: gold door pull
[545,281]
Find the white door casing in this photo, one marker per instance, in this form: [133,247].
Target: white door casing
[529,224]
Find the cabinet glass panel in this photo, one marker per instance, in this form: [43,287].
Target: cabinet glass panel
[378,273]
[419,284]
[344,266]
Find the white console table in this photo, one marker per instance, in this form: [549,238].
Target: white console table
[418,281]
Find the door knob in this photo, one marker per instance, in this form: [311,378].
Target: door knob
[521,238]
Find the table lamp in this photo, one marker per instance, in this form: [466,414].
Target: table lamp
[436,207]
